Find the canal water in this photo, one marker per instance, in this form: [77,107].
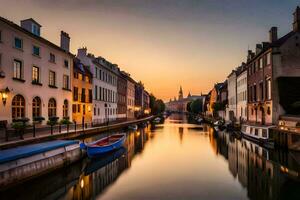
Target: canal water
[173,160]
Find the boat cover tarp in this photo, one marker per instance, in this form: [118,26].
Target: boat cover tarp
[32,149]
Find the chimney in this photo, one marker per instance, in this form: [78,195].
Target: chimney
[65,41]
[32,26]
[82,52]
[249,56]
[265,45]
[273,34]
[296,23]
[258,48]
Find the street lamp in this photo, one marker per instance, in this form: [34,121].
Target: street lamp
[4,95]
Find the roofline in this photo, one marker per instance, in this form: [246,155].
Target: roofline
[31,20]
[41,39]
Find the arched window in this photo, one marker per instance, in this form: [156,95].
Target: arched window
[65,108]
[52,108]
[36,107]
[18,107]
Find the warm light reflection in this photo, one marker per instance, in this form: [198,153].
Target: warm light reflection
[82,183]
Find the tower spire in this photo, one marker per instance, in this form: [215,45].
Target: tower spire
[180,96]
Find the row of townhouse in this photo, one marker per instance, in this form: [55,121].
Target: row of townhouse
[39,79]
[265,89]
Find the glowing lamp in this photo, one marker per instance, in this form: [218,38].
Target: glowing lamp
[4,95]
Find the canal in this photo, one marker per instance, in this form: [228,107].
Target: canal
[174,160]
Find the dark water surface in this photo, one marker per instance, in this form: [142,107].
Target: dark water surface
[175,160]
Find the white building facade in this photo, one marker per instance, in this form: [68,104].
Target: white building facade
[242,96]
[232,97]
[35,74]
[104,86]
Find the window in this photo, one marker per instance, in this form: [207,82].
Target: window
[261,91]
[90,96]
[66,63]
[65,108]
[18,43]
[75,94]
[52,78]
[78,108]
[83,95]
[260,63]
[52,108]
[96,92]
[18,107]
[35,74]
[52,58]
[83,109]
[75,75]
[74,106]
[79,76]
[36,50]
[254,93]
[268,89]
[268,58]
[101,93]
[66,82]
[36,107]
[35,29]
[18,69]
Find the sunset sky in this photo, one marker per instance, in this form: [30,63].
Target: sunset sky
[166,43]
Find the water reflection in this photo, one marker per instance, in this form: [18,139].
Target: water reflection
[266,174]
[175,160]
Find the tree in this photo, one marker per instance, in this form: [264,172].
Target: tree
[157,105]
[188,106]
[196,106]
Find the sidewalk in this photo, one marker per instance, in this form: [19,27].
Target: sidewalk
[71,133]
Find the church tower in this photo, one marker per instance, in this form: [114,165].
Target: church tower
[180,96]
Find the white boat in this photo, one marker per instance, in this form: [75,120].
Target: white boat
[157,120]
[257,133]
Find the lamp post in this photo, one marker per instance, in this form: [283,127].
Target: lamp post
[4,95]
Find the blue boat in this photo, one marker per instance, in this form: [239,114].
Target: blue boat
[104,145]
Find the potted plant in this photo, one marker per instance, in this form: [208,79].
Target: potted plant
[65,121]
[38,119]
[52,121]
[20,125]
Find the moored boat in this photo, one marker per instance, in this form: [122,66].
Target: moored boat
[260,134]
[133,127]
[104,145]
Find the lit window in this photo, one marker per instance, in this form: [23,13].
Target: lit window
[66,109]
[18,107]
[52,108]
[52,78]
[35,74]
[36,107]
[18,69]
[66,82]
